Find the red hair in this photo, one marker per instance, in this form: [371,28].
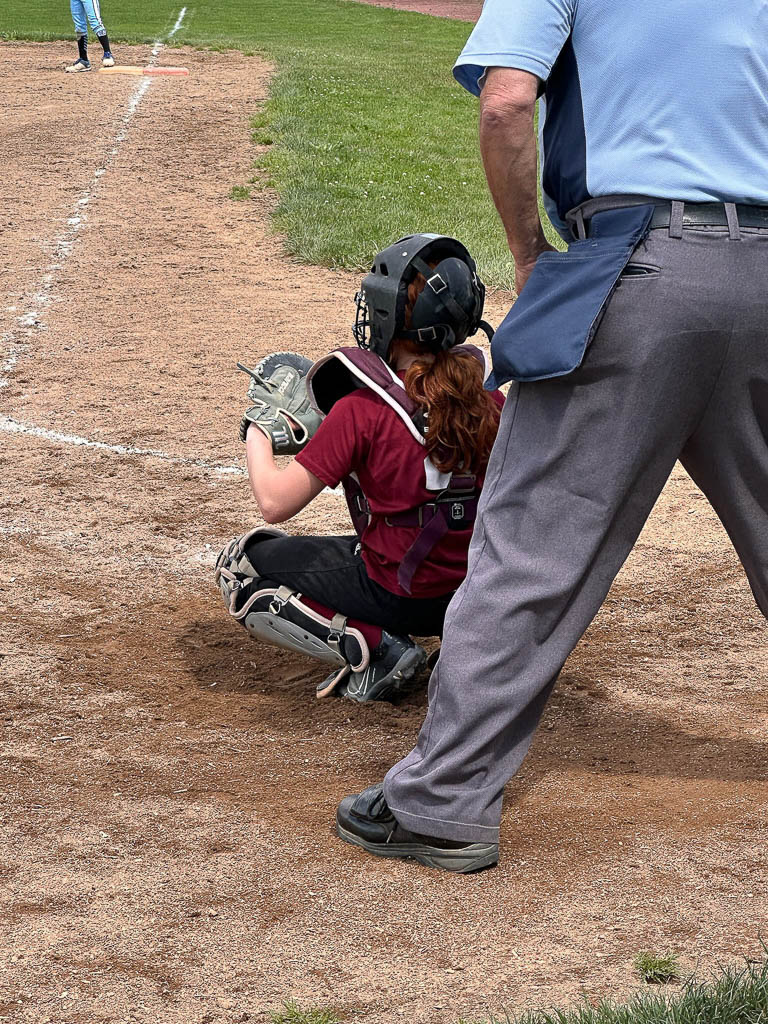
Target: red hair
[462,418]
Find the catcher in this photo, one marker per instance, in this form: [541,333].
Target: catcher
[404,424]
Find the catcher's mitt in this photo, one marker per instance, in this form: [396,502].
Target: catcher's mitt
[280,405]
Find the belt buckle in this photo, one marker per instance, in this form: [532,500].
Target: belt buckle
[455,514]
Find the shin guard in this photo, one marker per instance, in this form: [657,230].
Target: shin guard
[278,616]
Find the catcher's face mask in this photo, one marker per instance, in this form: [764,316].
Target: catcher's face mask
[447,311]
[362,328]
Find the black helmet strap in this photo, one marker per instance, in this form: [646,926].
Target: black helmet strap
[439,287]
[435,338]
[485,326]
[442,336]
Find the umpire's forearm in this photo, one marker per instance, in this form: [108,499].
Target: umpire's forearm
[508,147]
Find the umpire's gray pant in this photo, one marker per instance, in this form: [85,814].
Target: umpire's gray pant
[678,369]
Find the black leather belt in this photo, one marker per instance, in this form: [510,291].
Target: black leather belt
[693,214]
[711,215]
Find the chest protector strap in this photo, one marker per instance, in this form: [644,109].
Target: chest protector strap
[453,508]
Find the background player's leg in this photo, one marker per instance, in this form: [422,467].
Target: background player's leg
[93,13]
[81,31]
[331,570]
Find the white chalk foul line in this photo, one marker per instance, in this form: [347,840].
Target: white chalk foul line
[33,319]
[11,426]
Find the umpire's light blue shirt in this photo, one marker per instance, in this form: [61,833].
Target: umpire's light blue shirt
[661,98]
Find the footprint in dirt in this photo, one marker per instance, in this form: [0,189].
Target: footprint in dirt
[223,659]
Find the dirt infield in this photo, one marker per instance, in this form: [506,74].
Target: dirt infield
[168,785]
[463,10]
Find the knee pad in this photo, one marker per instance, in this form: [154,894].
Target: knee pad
[278,616]
[233,567]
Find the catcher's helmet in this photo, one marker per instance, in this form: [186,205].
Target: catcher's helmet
[447,311]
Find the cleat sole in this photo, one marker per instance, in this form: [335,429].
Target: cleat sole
[472,858]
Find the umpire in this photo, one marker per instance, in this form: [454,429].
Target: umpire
[645,343]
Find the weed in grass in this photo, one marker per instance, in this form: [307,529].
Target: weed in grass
[732,996]
[261,137]
[292,1014]
[240,192]
[657,969]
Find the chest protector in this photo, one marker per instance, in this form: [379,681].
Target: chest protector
[454,506]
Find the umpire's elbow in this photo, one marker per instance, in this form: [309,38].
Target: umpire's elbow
[504,116]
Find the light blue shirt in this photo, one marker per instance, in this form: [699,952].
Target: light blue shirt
[664,98]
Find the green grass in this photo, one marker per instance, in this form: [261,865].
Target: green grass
[142,21]
[657,969]
[240,192]
[291,1014]
[732,996]
[370,137]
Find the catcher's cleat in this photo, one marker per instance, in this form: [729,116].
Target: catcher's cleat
[365,820]
[79,65]
[394,663]
[107,61]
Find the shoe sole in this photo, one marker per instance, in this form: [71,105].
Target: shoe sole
[407,668]
[76,71]
[463,862]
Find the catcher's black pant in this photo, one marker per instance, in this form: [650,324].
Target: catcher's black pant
[331,571]
[678,369]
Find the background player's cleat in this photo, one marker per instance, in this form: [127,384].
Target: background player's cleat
[79,65]
[107,61]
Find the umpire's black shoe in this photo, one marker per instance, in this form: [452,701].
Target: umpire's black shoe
[366,820]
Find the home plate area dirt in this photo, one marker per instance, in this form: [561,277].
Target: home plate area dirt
[169,785]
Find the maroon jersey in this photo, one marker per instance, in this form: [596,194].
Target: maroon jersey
[365,436]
